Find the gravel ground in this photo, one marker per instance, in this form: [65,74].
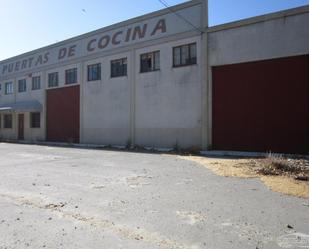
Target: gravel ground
[52,197]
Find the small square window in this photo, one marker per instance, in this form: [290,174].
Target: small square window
[184,55]
[94,72]
[119,67]
[53,79]
[35,120]
[36,83]
[71,76]
[150,62]
[22,85]
[8,88]
[8,121]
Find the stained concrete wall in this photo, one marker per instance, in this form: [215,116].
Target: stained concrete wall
[157,109]
[168,102]
[106,105]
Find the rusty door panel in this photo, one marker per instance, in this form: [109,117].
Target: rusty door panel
[262,106]
[63,114]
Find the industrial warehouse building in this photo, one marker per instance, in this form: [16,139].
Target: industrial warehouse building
[165,79]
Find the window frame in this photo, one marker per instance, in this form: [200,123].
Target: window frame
[67,71]
[38,87]
[154,63]
[24,89]
[5,124]
[99,74]
[35,124]
[124,67]
[6,84]
[190,58]
[53,84]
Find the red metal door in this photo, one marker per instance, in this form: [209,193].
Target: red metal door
[63,106]
[262,106]
[21,127]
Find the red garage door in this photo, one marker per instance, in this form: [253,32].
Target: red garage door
[63,114]
[262,106]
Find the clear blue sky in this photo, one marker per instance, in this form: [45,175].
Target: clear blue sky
[29,24]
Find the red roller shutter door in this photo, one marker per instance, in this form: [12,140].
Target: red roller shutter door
[262,106]
[63,110]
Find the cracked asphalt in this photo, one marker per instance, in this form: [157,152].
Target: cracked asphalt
[54,197]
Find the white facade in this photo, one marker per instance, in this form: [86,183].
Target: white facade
[159,108]
[170,107]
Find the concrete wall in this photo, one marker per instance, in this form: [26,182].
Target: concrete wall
[166,108]
[105,105]
[272,36]
[168,102]
[159,109]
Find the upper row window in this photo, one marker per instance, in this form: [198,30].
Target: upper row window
[8,88]
[53,79]
[94,72]
[119,67]
[71,76]
[36,82]
[184,55]
[22,85]
[150,62]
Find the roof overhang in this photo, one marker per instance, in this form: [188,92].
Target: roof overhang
[25,106]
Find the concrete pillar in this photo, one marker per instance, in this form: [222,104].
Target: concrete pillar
[206,140]
[132,79]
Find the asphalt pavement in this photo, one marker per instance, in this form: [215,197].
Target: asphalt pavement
[54,197]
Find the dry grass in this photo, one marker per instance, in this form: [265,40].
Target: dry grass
[277,173]
[280,166]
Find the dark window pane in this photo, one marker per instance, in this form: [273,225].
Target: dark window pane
[22,85]
[184,55]
[71,76]
[8,88]
[94,72]
[8,124]
[150,62]
[177,56]
[35,120]
[119,67]
[53,79]
[36,83]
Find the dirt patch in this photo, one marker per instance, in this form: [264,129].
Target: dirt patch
[287,185]
[285,175]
